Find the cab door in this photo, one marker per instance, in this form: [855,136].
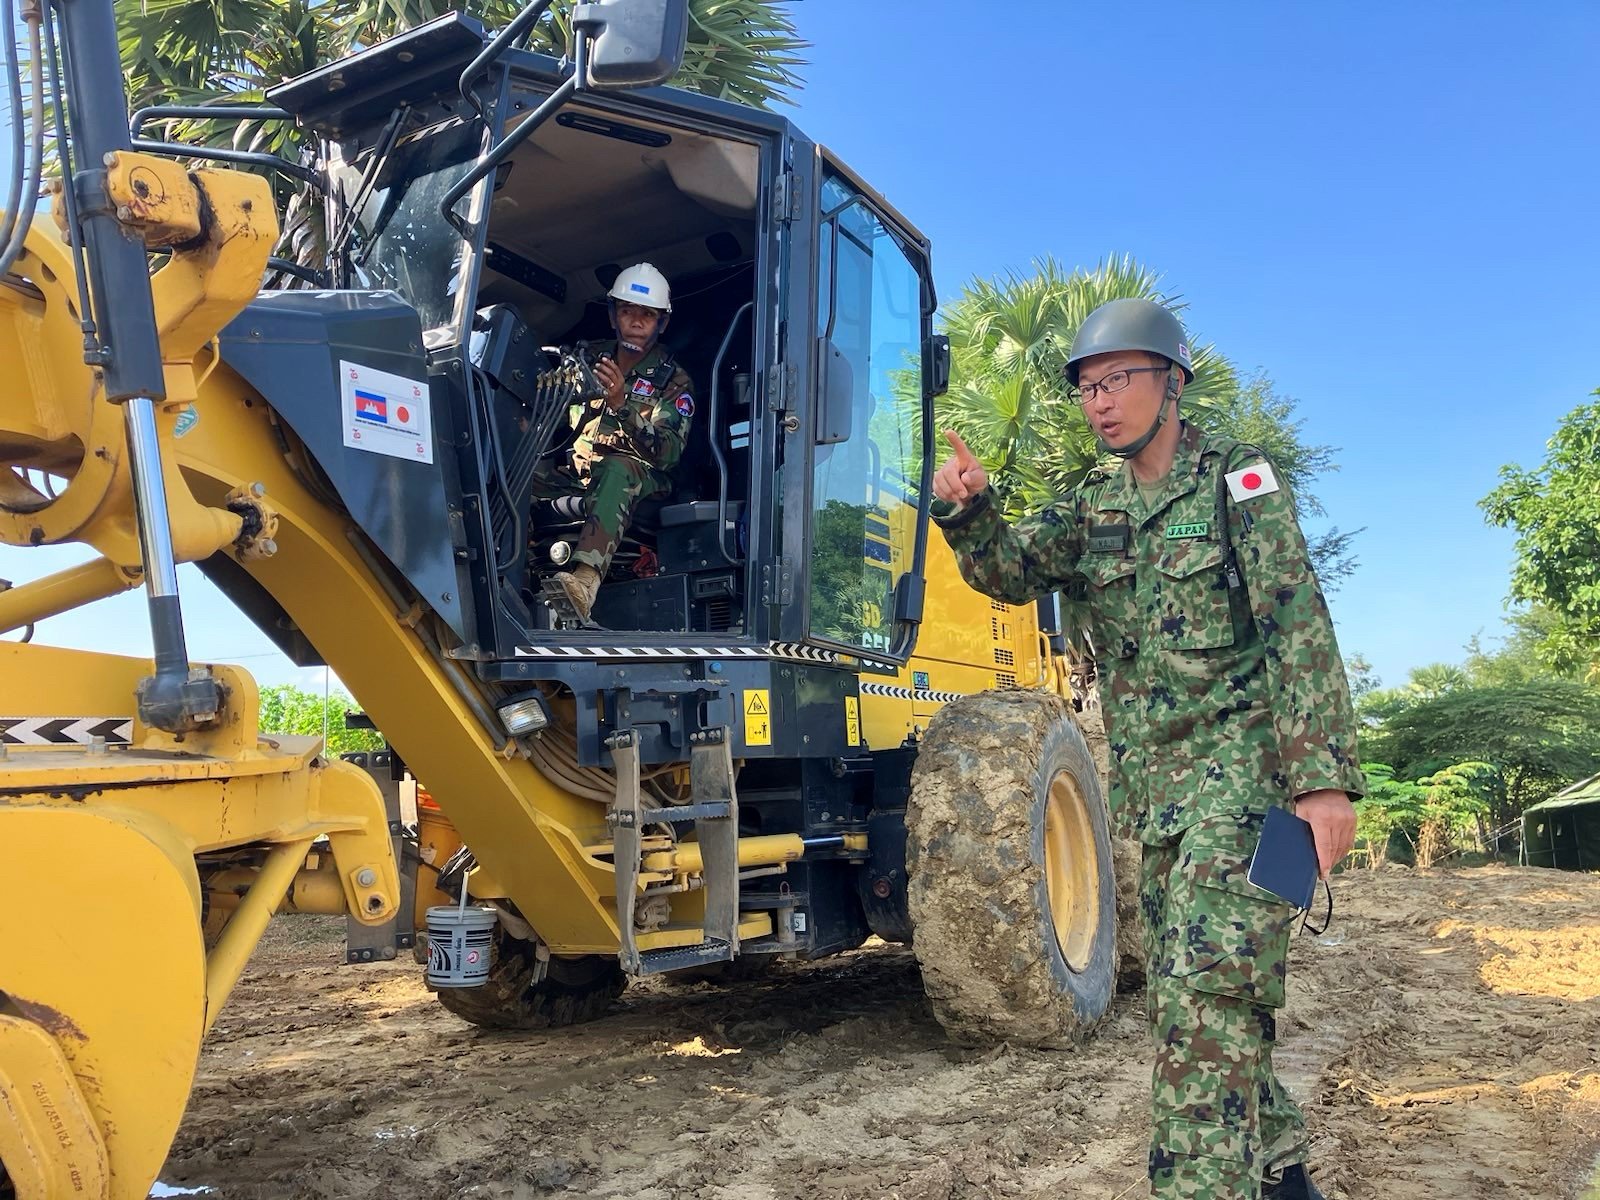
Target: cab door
[870,427]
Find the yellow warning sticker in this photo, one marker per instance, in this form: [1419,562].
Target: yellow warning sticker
[758,717]
[852,720]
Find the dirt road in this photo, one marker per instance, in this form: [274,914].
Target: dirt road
[1444,1038]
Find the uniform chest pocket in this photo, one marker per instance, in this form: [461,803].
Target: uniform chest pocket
[1113,615]
[1192,610]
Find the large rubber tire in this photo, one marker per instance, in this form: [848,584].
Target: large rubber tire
[1012,889]
[573,990]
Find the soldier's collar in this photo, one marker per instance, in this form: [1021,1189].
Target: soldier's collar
[1121,492]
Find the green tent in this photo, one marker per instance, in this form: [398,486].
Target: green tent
[1564,831]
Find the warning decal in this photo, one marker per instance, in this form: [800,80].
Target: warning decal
[758,717]
[385,413]
[65,731]
[852,720]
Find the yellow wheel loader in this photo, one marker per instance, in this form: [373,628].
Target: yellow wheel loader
[785,727]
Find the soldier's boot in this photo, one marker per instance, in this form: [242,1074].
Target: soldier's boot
[581,586]
[1293,1184]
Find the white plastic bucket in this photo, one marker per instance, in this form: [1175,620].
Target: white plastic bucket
[458,945]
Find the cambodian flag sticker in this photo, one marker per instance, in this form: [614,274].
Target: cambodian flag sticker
[1251,481]
[372,407]
[685,405]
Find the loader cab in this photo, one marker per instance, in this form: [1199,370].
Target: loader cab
[802,305]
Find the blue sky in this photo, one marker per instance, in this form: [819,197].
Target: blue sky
[1384,206]
[1389,208]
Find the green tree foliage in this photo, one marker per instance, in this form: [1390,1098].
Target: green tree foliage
[1440,812]
[288,709]
[1555,510]
[184,52]
[1454,804]
[179,51]
[1009,339]
[1540,736]
[1387,804]
[850,595]
[1363,679]
[1521,655]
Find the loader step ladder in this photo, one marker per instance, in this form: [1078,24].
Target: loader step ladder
[714,808]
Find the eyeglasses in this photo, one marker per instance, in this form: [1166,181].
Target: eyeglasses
[1113,382]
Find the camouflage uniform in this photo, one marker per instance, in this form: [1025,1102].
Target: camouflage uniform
[623,458]
[1224,695]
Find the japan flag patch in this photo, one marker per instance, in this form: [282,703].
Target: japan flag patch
[1249,482]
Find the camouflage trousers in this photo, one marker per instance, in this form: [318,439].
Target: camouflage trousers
[611,486]
[1216,952]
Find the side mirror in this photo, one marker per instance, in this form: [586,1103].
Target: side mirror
[937,359]
[835,394]
[633,43]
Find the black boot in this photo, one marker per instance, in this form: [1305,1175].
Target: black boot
[1293,1184]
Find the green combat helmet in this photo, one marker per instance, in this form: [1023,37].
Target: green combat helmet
[1133,325]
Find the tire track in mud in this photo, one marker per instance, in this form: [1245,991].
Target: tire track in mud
[832,1081]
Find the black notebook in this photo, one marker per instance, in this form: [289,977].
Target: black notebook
[1285,861]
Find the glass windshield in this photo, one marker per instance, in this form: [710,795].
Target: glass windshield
[866,487]
[402,239]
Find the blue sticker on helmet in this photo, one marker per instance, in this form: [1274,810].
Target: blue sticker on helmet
[639,287]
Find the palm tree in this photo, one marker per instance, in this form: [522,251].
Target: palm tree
[1009,339]
[204,51]
[187,52]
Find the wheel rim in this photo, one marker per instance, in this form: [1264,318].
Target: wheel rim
[1071,877]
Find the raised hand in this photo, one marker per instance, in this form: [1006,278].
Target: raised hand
[611,378]
[962,476]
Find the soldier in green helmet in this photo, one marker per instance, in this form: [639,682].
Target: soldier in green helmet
[1224,696]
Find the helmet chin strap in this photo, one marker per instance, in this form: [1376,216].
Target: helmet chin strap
[633,347]
[1139,443]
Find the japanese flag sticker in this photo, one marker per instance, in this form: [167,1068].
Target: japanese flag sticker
[1249,482]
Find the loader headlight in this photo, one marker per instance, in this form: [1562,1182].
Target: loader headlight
[525,715]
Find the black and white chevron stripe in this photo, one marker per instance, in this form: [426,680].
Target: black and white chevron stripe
[65,731]
[775,650]
[869,688]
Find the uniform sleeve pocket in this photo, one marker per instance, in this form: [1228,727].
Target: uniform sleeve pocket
[1194,610]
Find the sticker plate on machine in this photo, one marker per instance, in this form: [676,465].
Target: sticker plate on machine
[384,413]
[852,720]
[758,717]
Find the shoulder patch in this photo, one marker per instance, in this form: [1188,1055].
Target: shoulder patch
[1257,479]
[684,404]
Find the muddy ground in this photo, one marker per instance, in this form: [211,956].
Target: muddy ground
[1443,1037]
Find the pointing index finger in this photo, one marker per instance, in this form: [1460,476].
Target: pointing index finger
[960,447]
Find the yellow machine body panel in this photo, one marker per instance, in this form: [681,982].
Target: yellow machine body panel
[968,643]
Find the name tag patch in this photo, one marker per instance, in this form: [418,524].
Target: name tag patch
[1108,539]
[1194,529]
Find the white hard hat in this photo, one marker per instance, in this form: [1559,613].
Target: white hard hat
[642,284]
